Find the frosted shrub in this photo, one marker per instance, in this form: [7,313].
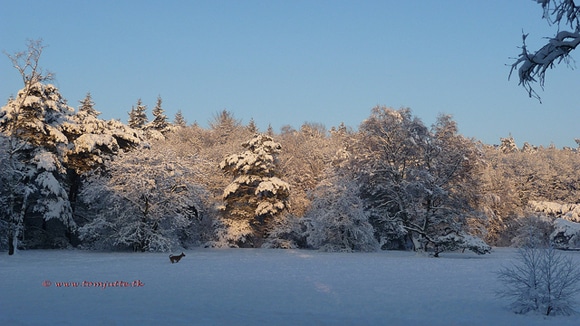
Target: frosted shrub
[337,220]
[543,281]
[287,232]
[533,231]
[566,234]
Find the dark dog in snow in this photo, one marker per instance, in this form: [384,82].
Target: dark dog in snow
[176,259]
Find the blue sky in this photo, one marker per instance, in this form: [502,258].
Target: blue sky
[290,62]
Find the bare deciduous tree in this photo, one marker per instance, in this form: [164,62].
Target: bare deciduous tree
[543,280]
[27,63]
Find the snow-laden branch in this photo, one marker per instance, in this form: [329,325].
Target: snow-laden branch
[532,66]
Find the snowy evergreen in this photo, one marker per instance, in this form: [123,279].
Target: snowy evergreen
[256,195]
[224,126]
[88,106]
[508,145]
[159,118]
[528,148]
[138,116]
[94,141]
[179,120]
[33,126]
[270,131]
[566,234]
[159,127]
[252,127]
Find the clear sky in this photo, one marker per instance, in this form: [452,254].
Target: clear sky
[290,62]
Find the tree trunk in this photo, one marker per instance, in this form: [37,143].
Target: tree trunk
[260,227]
[16,226]
[11,244]
[417,243]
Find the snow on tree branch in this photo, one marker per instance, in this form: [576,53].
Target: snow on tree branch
[570,212]
[532,66]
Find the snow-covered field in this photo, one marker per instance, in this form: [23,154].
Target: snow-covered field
[257,287]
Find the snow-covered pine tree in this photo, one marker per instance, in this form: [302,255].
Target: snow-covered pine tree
[159,118]
[256,195]
[528,148]
[34,176]
[32,123]
[224,126]
[252,127]
[508,145]
[95,141]
[179,120]
[562,223]
[87,106]
[159,127]
[92,142]
[138,116]
[270,131]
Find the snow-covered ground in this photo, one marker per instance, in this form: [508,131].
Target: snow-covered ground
[257,287]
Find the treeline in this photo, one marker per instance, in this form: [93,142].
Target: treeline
[71,179]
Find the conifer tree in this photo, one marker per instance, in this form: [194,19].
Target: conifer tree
[508,145]
[224,126]
[43,142]
[159,122]
[94,140]
[256,195]
[138,116]
[252,128]
[88,106]
[270,131]
[33,123]
[179,120]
